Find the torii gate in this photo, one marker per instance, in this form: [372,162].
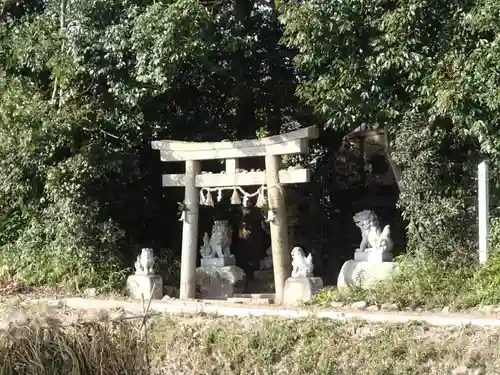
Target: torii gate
[272,148]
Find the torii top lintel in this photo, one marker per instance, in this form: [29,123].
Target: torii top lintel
[290,143]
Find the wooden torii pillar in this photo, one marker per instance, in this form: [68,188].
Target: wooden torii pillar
[272,148]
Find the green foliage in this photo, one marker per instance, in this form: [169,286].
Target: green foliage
[417,69]
[494,237]
[84,87]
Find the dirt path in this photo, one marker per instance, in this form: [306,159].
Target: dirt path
[21,308]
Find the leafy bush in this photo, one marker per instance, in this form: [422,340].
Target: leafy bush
[494,235]
[429,283]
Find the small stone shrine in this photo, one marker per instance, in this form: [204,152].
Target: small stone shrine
[302,284]
[144,283]
[373,260]
[218,277]
[198,187]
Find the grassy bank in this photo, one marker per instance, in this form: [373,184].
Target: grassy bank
[220,346]
[428,283]
[227,347]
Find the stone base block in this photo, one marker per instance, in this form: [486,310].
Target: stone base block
[219,262]
[372,256]
[138,285]
[364,274]
[299,289]
[220,282]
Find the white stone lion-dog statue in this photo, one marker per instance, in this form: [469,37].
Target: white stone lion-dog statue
[302,266]
[221,238]
[373,238]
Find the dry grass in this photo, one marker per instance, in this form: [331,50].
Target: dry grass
[48,342]
[49,347]
[254,346]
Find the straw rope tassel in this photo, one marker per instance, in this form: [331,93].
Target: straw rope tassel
[209,200]
[235,198]
[261,198]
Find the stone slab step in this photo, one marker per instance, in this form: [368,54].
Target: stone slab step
[252,299]
[259,288]
[255,295]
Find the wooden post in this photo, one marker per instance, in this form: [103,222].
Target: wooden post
[279,228]
[190,232]
[483,210]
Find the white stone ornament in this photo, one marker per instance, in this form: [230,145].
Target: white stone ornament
[205,249]
[145,262]
[221,238]
[271,216]
[373,238]
[302,266]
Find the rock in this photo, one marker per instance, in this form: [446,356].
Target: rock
[488,309]
[18,317]
[166,298]
[220,282]
[337,304]
[460,370]
[359,305]
[446,309]
[300,289]
[171,291]
[464,370]
[58,303]
[90,292]
[373,308]
[390,307]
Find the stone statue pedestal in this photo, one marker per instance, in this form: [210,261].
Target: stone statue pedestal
[372,256]
[219,262]
[138,285]
[364,273]
[300,289]
[220,282]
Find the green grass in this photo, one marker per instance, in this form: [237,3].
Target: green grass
[428,283]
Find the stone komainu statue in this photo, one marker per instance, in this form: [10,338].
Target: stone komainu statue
[373,238]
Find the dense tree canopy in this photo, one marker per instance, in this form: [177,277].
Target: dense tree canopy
[426,70]
[86,85]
